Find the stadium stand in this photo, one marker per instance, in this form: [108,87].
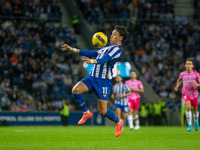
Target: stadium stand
[157,45]
[35,75]
[29,49]
[197,11]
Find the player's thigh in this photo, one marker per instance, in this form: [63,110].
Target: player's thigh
[80,88]
[130,105]
[118,112]
[194,104]
[188,105]
[130,111]
[102,106]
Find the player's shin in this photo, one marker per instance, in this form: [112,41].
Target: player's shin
[196,116]
[111,115]
[196,122]
[137,122]
[80,100]
[189,117]
[130,121]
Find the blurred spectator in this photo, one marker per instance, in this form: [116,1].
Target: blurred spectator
[30,8]
[12,95]
[96,11]
[15,108]
[65,112]
[75,22]
[67,79]
[5,102]
[5,85]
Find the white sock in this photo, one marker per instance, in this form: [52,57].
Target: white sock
[130,121]
[196,116]
[189,117]
[87,112]
[137,122]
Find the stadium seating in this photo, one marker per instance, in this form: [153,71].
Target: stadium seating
[29,47]
[157,45]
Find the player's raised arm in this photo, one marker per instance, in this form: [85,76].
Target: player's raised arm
[178,83]
[87,53]
[66,47]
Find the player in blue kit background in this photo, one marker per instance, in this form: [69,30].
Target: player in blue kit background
[120,91]
[100,77]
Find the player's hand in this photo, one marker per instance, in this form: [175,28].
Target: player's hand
[121,95]
[134,90]
[195,84]
[66,47]
[112,96]
[86,60]
[176,88]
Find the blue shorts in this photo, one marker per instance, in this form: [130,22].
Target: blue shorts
[124,108]
[100,86]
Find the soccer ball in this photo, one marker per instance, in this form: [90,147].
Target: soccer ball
[99,39]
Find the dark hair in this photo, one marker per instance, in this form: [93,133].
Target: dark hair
[190,59]
[122,31]
[119,75]
[133,71]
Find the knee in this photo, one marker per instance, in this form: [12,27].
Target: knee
[102,111]
[188,108]
[75,90]
[124,116]
[195,111]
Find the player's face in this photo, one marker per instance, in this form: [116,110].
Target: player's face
[189,65]
[118,79]
[133,75]
[115,38]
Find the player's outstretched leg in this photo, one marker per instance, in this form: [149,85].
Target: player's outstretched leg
[189,120]
[196,121]
[119,128]
[102,108]
[119,122]
[80,100]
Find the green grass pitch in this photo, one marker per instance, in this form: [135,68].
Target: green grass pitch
[101,138]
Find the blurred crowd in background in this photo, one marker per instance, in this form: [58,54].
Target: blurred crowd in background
[157,45]
[197,11]
[31,61]
[98,11]
[36,76]
[30,8]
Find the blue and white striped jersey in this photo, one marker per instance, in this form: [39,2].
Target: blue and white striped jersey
[106,58]
[123,89]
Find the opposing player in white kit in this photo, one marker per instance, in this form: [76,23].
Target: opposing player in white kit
[136,87]
[191,80]
[120,91]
